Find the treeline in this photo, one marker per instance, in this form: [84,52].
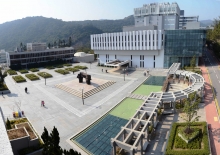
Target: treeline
[49,30]
[213,37]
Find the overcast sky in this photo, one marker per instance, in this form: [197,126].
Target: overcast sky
[74,10]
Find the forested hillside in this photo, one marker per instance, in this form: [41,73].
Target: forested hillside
[49,30]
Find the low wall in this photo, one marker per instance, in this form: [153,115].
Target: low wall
[5,92]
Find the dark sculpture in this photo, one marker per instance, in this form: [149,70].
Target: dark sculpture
[82,75]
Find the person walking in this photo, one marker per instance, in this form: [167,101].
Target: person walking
[42,103]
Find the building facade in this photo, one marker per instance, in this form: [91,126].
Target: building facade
[36,46]
[24,58]
[4,58]
[154,41]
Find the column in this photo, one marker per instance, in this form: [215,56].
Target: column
[130,40]
[141,36]
[133,40]
[159,39]
[127,47]
[151,39]
[91,40]
[137,40]
[148,39]
[144,41]
[141,141]
[114,148]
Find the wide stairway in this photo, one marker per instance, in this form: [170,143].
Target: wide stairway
[86,94]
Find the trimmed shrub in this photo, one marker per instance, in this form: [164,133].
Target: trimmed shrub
[23,71]
[62,71]
[58,66]
[44,74]
[50,67]
[72,69]
[12,72]
[191,148]
[3,87]
[32,77]
[34,69]
[19,78]
[81,67]
[67,64]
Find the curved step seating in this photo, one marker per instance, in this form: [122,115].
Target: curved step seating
[86,94]
[175,87]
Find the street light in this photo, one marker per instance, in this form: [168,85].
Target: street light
[124,73]
[82,96]
[45,77]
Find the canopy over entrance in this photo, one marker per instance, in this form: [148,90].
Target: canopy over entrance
[117,63]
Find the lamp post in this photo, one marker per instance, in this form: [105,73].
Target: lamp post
[45,77]
[124,73]
[82,96]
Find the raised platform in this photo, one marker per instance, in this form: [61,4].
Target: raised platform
[75,88]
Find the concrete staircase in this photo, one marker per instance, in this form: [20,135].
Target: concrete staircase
[86,94]
[137,96]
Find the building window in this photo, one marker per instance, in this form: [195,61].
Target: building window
[115,57]
[154,64]
[154,57]
[131,57]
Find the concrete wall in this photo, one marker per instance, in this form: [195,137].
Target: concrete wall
[192,25]
[87,58]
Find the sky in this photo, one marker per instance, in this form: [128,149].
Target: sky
[78,10]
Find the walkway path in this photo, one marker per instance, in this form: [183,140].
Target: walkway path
[211,113]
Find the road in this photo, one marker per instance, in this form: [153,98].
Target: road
[214,72]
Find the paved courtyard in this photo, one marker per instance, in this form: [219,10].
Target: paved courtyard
[66,111]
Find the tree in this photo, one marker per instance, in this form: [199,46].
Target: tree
[2,76]
[46,138]
[55,44]
[70,41]
[193,62]
[59,43]
[51,144]
[190,109]
[49,45]
[8,124]
[63,43]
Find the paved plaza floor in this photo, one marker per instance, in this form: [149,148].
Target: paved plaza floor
[66,111]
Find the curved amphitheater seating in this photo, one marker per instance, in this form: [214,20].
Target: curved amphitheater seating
[139,123]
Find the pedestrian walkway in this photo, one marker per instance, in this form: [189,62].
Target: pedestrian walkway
[211,113]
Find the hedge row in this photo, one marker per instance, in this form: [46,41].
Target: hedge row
[23,71]
[34,69]
[173,135]
[19,78]
[67,64]
[32,77]
[72,69]
[3,87]
[12,72]
[81,67]
[50,67]
[44,74]
[62,71]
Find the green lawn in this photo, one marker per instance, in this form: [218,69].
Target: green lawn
[126,108]
[147,89]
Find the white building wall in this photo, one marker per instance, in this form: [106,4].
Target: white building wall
[159,60]
[135,60]
[149,61]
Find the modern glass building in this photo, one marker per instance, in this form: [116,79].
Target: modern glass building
[181,45]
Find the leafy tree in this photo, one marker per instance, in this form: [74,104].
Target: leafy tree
[49,45]
[190,109]
[2,76]
[55,44]
[8,124]
[70,41]
[193,62]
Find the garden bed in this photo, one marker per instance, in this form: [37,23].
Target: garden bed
[16,133]
[3,86]
[50,67]
[34,69]
[81,67]
[19,78]
[32,77]
[12,72]
[44,74]
[72,69]
[67,64]
[59,66]
[23,71]
[62,71]
[177,146]
[28,128]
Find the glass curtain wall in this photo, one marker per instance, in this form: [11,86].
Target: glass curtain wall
[182,45]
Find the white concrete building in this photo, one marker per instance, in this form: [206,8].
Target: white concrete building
[4,58]
[36,46]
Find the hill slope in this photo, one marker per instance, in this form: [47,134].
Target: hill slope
[41,29]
